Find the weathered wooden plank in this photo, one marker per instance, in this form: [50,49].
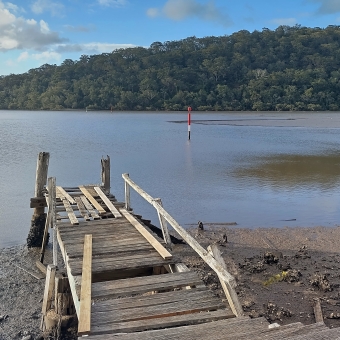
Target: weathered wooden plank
[132,264]
[111,250]
[141,285]
[84,324]
[38,202]
[93,201]
[164,225]
[154,312]
[317,310]
[61,193]
[89,208]
[145,233]
[70,212]
[171,321]
[82,208]
[159,299]
[108,203]
[227,329]
[49,286]
[229,291]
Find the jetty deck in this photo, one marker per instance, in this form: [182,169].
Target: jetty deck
[126,283]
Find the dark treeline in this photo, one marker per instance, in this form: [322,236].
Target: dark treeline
[290,68]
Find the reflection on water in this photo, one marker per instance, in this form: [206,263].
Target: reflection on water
[318,171]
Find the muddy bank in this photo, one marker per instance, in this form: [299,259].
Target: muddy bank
[279,272]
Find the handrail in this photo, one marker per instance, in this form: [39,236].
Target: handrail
[204,254]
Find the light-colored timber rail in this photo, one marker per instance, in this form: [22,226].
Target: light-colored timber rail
[123,282]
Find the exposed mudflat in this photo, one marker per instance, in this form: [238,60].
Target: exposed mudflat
[279,272]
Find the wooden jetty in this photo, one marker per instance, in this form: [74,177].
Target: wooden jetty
[123,282]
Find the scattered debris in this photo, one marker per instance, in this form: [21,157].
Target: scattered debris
[321,282]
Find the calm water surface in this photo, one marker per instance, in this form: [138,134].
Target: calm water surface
[256,169]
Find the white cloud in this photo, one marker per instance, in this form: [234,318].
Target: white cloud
[19,33]
[23,56]
[13,8]
[284,21]
[112,3]
[327,6]
[47,56]
[93,47]
[41,6]
[153,12]
[181,9]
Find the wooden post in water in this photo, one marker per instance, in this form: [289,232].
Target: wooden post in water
[106,179]
[35,236]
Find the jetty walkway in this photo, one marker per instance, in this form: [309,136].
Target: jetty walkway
[124,282]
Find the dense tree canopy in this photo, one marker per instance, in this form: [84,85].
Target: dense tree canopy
[290,68]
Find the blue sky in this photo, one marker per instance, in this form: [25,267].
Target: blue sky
[35,32]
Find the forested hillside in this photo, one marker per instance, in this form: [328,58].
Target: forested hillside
[290,68]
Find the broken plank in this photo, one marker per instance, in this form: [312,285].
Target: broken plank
[108,203]
[145,233]
[93,201]
[61,193]
[70,212]
[82,208]
[84,325]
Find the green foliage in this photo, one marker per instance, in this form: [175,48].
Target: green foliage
[287,69]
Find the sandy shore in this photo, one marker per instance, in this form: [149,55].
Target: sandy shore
[279,272]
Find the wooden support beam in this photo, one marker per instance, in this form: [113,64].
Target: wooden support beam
[84,325]
[48,292]
[144,232]
[93,201]
[108,203]
[106,177]
[52,207]
[229,291]
[164,225]
[38,202]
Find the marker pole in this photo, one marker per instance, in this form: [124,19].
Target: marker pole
[189,121]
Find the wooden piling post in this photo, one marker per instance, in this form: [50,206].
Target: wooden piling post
[106,179]
[35,235]
[227,287]
[127,194]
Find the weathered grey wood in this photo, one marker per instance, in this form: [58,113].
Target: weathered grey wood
[170,321]
[127,194]
[93,201]
[219,330]
[141,285]
[229,291]
[89,207]
[317,310]
[62,194]
[49,286]
[204,254]
[108,203]
[52,207]
[70,213]
[41,178]
[105,174]
[84,323]
[145,233]
[164,225]
[82,208]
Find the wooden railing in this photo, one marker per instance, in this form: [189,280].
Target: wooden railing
[211,257]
